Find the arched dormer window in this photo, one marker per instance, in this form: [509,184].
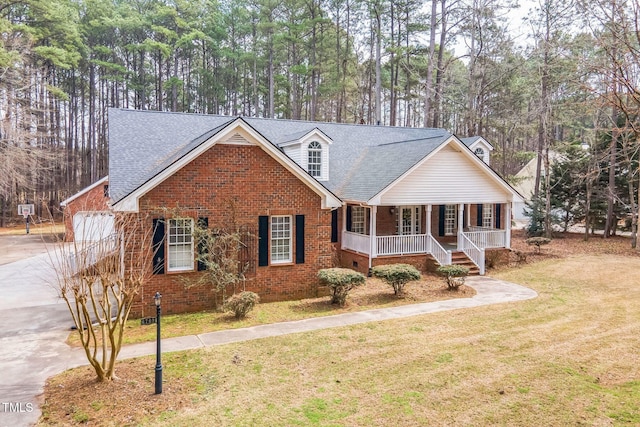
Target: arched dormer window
[480,153]
[314,164]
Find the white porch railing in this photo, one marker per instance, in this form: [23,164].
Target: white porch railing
[487,238]
[472,251]
[441,255]
[397,245]
[356,242]
[402,245]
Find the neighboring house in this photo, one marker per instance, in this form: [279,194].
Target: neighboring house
[312,193]
[87,216]
[524,184]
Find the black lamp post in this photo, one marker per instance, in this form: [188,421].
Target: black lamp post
[157,299]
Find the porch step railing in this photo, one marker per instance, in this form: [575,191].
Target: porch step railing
[473,252]
[487,238]
[436,250]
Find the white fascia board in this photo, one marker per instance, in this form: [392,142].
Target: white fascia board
[84,191]
[130,203]
[465,151]
[480,142]
[316,134]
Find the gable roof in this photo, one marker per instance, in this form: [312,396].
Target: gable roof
[84,191]
[475,140]
[364,159]
[173,160]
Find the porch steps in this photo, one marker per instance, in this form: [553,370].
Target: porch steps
[460,258]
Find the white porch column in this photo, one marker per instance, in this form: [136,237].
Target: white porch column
[507,224]
[373,247]
[344,218]
[468,215]
[428,230]
[460,222]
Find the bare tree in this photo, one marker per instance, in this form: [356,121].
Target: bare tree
[99,282]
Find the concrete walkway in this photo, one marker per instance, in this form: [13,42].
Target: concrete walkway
[36,323]
[488,291]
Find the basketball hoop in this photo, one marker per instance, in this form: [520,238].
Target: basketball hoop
[26,210]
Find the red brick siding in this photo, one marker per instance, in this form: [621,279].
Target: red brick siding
[255,184]
[420,261]
[93,200]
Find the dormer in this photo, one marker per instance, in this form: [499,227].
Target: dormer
[480,147]
[311,151]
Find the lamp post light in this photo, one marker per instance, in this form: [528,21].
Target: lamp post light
[157,299]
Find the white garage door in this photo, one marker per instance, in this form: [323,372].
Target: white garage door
[92,226]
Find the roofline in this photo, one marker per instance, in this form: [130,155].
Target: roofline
[479,139]
[130,202]
[84,191]
[375,200]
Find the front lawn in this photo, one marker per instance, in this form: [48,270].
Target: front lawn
[569,357]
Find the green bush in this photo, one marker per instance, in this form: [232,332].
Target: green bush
[538,241]
[454,275]
[241,304]
[397,275]
[340,281]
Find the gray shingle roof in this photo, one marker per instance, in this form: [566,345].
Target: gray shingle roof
[363,159]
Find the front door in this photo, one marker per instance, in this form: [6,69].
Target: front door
[410,220]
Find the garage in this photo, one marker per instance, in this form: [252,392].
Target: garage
[92,226]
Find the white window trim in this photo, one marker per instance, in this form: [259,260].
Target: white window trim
[358,220]
[319,155]
[170,245]
[416,219]
[450,218]
[272,240]
[487,215]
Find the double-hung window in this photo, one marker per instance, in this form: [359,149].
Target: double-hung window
[357,219]
[180,244]
[281,242]
[315,159]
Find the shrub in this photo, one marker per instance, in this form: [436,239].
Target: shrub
[340,281]
[396,275]
[241,304]
[538,241]
[454,275]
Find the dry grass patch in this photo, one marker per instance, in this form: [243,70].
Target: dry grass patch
[569,357]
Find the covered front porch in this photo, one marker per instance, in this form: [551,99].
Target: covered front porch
[436,230]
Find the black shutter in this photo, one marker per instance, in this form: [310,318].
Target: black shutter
[334,225]
[299,239]
[263,241]
[479,207]
[441,220]
[203,224]
[158,245]
[498,212]
[348,218]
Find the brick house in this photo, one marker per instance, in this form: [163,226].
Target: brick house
[87,216]
[314,194]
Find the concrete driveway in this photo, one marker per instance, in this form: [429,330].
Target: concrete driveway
[35,324]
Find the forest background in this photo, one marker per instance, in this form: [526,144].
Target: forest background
[561,83]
